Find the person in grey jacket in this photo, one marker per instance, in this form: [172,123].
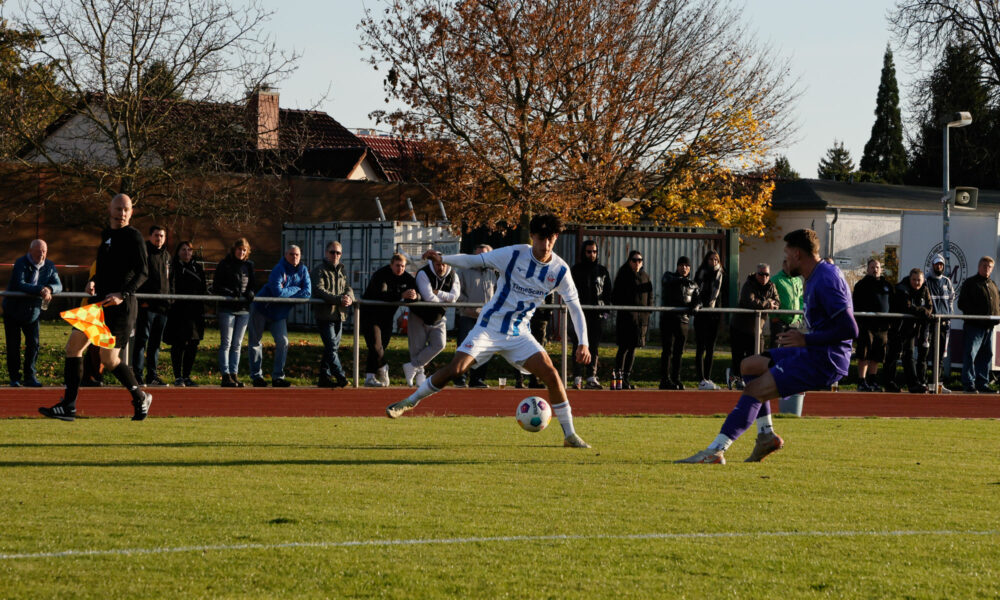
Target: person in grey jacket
[943,296]
[36,275]
[331,285]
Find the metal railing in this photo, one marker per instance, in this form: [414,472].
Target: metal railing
[564,321]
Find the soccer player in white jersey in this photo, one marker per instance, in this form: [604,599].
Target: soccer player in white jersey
[528,273]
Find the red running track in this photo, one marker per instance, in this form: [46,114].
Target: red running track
[314,402]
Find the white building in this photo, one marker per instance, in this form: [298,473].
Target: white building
[855,221]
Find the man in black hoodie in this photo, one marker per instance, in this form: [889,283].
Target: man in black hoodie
[872,294]
[152,317]
[593,284]
[391,283]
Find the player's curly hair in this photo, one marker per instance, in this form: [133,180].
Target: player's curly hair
[545,225]
[805,240]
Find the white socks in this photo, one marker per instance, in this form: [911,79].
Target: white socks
[721,442]
[425,389]
[565,416]
[764,424]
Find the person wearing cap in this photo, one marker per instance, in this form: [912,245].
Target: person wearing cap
[943,295]
[676,290]
[872,294]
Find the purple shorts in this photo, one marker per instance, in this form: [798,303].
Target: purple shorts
[798,370]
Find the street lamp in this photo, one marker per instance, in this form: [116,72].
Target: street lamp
[959,119]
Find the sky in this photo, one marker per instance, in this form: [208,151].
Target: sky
[835,50]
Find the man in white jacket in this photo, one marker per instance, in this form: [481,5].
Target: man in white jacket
[528,273]
[427,326]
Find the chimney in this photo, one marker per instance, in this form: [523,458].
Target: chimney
[264,117]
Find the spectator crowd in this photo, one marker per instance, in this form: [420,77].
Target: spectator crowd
[180,323]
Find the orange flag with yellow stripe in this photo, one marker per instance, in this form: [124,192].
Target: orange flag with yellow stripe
[90,320]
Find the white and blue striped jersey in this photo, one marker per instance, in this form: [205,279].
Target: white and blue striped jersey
[523,285]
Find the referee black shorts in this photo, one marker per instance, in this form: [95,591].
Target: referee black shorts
[120,320]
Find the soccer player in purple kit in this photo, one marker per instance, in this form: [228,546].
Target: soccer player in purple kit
[803,361]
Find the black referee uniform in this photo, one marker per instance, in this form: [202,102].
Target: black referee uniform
[122,267]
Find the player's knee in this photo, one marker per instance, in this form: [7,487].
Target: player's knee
[753,365]
[548,373]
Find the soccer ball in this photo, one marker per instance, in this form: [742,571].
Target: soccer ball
[533,414]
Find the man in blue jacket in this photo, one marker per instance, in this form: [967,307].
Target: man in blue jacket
[288,279]
[33,274]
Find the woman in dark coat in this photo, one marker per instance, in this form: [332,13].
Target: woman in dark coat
[632,288]
[709,279]
[233,278]
[186,320]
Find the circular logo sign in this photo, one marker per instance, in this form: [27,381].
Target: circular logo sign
[957,263]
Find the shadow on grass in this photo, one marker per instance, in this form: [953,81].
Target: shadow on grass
[241,463]
[230,445]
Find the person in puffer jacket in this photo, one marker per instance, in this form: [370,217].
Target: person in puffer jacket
[288,279]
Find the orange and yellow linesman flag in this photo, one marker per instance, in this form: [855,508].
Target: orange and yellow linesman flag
[90,320]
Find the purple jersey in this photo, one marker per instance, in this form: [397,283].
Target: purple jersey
[826,296]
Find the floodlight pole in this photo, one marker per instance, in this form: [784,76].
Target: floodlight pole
[959,119]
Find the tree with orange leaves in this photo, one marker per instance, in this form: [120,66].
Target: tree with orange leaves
[572,105]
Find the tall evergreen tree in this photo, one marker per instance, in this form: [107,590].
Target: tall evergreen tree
[884,155]
[783,169]
[837,164]
[956,84]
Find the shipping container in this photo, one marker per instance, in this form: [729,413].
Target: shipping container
[660,248]
[368,246]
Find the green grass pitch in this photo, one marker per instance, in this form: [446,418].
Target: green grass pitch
[476,508]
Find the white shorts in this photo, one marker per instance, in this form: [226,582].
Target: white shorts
[481,344]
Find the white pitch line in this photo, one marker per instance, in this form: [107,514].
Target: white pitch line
[484,540]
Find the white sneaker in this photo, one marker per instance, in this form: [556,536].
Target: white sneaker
[371,381]
[575,441]
[708,456]
[707,385]
[408,372]
[396,410]
[419,378]
[383,375]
